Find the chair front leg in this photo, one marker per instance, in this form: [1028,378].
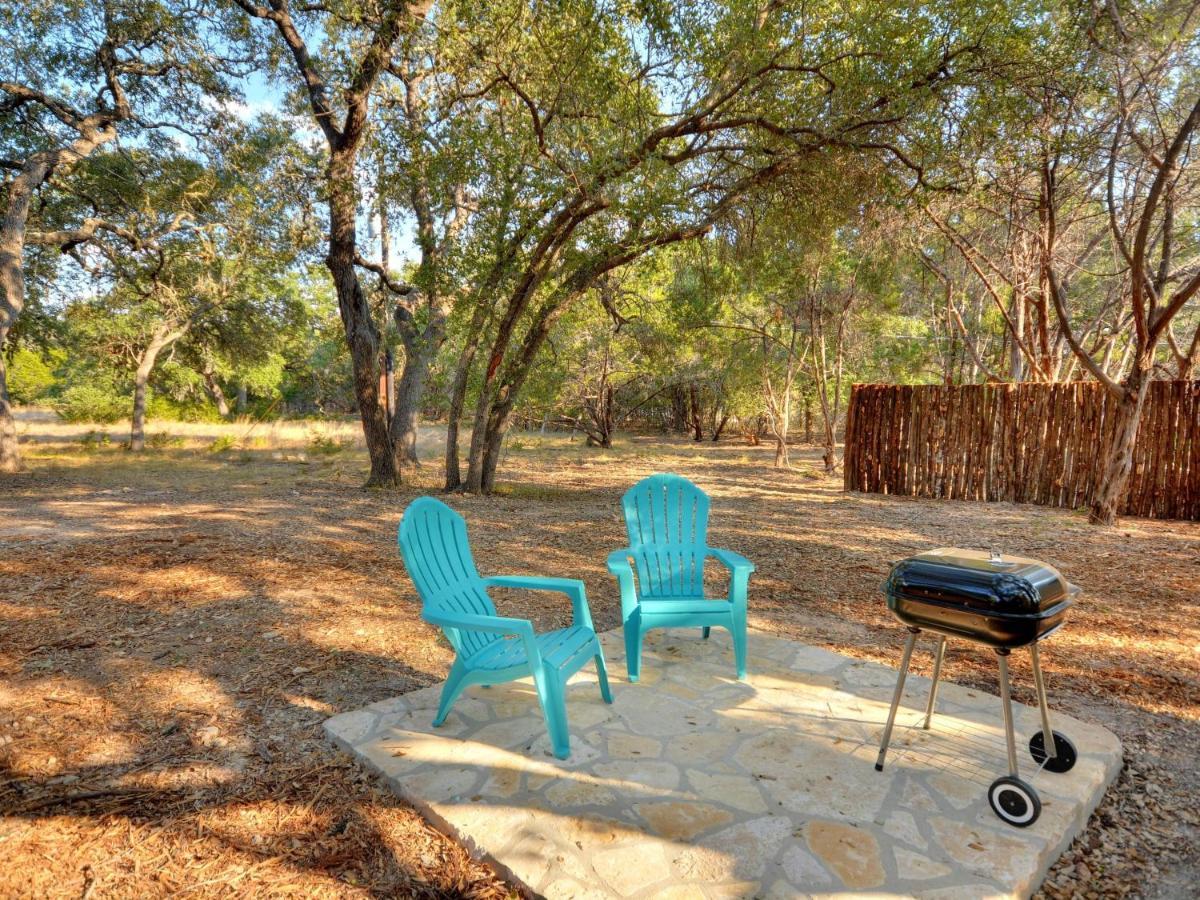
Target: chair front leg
[633,647]
[602,673]
[737,627]
[455,682]
[552,696]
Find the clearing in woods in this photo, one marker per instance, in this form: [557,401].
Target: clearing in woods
[177,626]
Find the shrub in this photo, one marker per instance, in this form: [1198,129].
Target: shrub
[91,403]
[164,407]
[222,444]
[325,445]
[161,440]
[94,440]
[30,376]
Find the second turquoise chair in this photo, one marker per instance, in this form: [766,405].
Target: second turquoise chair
[666,517]
[493,649]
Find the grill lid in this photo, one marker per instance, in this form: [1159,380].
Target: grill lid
[1004,585]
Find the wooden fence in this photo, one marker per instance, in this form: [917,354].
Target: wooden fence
[1027,443]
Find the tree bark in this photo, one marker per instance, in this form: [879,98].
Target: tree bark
[1117,463]
[161,339]
[213,388]
[344,140]
[779,415]
[32,174]
[458,393]
[362,335]
[722,421]
[695,416]
[10,457]
[458,401]
[419,353]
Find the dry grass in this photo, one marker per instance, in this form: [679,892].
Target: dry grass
[177,626]
[49,433]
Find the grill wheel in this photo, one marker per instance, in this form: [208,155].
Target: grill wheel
[1064,752]
[1014,801]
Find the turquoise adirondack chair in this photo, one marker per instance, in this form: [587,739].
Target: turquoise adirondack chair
[492,649]
[666,517]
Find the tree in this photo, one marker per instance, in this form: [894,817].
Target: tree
[1093,239]
[188,249]
[630,146]
[1151,128]
[360,50]
[114,65]
[430,145]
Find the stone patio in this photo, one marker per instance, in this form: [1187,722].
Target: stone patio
[692,784]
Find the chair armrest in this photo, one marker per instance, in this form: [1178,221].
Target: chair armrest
[619,565]
[572,587]
[471,622]
[521,628]
[533,583]
[618,562]
[734,562]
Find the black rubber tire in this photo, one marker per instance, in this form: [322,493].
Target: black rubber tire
[1065,755]
[1014,801]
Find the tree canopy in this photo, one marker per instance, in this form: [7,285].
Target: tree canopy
[592,214]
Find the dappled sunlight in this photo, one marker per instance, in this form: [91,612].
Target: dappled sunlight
[202,617]
[693,776]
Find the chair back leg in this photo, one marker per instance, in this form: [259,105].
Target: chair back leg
[704,632]
[455,682]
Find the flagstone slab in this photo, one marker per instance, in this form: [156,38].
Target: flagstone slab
[692,784]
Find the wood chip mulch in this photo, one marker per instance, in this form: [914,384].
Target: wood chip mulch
[173,635]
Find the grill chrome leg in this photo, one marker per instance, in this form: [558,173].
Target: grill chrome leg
[909,643]
[1006,700]
[1040,684]
[937,673]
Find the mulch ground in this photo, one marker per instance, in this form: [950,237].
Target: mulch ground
[176,628]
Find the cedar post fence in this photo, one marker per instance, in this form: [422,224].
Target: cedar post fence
[1025,443]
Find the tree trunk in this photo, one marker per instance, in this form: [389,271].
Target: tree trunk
[419,354]
[137,427]
[458,391]
[458,400]
[679,409]
[10,457]
[162,339]
[409,392]
[213,388]
[1117,463]
[242,396]
[607,420]
[362,335]
[829,457]
[491,454]
[721,423]
[12,288]
[694,413]
[501,386]
[478,451]
[781,452]
[28,179]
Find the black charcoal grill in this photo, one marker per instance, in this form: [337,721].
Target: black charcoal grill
[1004,602]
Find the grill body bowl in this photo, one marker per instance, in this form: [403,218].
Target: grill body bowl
[1005,603]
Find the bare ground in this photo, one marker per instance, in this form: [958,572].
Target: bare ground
[177,626]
